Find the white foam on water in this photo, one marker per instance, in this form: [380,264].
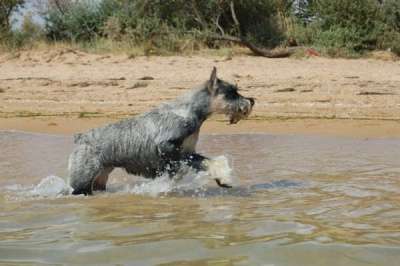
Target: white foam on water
[51,186]
[15,188]
[187,179]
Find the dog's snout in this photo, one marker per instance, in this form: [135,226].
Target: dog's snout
[252,101]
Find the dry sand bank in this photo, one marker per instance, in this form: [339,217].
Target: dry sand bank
[48,91]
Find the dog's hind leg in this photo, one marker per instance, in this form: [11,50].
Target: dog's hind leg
[100,181]
[86,171]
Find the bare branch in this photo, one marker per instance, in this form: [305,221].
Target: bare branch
[197,15]
[239,40]
[218,25]
[257,50]
[58,5]
[234,17]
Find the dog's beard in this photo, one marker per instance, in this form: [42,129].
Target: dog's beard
[234,112]
[235,117]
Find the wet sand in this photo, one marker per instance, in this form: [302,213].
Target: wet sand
[321,127]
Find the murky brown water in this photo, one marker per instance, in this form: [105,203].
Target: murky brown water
[300,201]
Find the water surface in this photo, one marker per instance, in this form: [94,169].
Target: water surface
[300,200]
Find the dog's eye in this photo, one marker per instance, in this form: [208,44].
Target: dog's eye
[233,89]
[231,94]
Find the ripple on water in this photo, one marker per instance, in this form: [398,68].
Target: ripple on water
[271,228]
[350,190]
[314,195]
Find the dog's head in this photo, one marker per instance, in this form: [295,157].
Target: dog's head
[225,99]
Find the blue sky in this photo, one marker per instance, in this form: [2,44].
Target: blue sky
[18,16]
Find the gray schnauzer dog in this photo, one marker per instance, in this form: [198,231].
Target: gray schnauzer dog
[160,141]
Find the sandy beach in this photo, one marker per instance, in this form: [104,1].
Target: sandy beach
[66,91]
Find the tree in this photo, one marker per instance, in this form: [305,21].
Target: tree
[303,10]
[256,30]
[7,7]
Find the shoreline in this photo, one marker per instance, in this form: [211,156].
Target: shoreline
[360,129]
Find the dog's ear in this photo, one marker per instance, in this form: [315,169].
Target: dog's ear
[212,83]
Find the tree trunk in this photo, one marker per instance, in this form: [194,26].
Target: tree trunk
[278,53]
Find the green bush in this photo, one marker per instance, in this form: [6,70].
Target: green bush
[348,27]
[80,21]
[390,28]
[339,28]
[390,40]
[163,23]
[391,14]
[30,29]
[24,37]
[7,7]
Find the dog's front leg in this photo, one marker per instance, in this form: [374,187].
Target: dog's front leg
[202,163]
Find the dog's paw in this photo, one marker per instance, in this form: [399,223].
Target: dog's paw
[222,184]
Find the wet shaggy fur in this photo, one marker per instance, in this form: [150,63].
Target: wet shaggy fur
[157,142]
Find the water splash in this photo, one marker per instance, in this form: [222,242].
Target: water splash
[218,167]
[186,180]
[51,186]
